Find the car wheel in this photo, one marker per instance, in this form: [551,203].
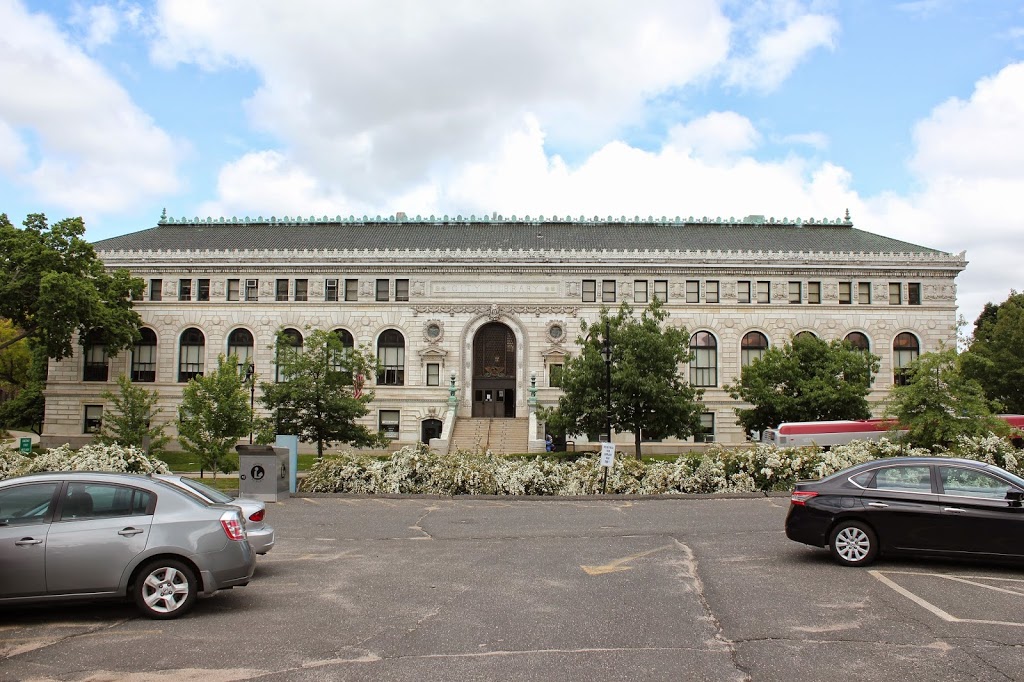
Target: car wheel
[853,543]
[165,588]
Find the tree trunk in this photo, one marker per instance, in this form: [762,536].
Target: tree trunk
[636,443]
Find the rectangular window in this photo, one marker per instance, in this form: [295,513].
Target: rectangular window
[711,291]
[433,374]
[764,292]
[389,423]
[608,291]
[383,289]
[845,293]
[95,366]
[640,291]
[156,289]
[814,292]
[233,289]
[252,290]
[914,293]
[707,428]
[661,289]
[93,419]
[301,289]
[863,293]
[331,290]
[692,291]
[281,290]
[203,293]
[589,291]
[351,289]
[795,295]
[555,375]
[743,292]
[895,293]
[401,290]
[184,290]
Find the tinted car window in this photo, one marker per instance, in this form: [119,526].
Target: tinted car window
[972,483]
[92,500]
[25,504]
[909,478]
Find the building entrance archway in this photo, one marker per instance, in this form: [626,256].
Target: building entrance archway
[494,371]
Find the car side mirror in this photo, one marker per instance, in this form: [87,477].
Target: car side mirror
[1015,497]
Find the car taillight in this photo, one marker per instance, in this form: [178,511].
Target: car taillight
[232,526]
[800,497]
[258,516]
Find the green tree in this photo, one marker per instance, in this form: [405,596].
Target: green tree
[807,379]
[650,396]
[53,285]
[317,397]
[132,421]
[28,407]
[995,357]
[15,360]
[214,414]
[940,402]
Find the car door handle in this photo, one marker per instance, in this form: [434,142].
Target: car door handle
[880,505]
[130,531]
[27,541]
[954,510]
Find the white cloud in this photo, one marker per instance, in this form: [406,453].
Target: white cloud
[715,136]
[377,96]
[92,149]
[100,23]
[13,152]
[774,52]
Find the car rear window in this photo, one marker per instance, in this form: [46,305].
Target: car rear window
[203,489]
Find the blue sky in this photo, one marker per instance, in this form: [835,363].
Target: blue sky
[909,114]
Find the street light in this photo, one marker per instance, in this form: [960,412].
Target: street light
[606,355]
[250,378]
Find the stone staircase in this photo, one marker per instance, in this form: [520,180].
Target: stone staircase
[500,436]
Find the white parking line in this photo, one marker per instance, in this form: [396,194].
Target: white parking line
[935,609]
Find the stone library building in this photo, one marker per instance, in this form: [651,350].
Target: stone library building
[473,317]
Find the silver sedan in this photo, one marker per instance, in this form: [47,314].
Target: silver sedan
[259,532]
[98,535]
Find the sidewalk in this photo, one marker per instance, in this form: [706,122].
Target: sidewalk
[16,436]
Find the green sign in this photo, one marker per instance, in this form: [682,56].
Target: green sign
[25,445]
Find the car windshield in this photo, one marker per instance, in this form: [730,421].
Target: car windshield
[1012,477]
[203,489]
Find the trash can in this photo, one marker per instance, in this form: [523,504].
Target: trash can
[262,472]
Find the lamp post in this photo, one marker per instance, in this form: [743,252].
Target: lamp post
[606,355]
[250,378]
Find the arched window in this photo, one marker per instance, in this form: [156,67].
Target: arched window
[347,344]
[859,341]
[240,343]
[96,366]
[144,357]
[805,335]
[752,347]
[289,346]
[704,365]
[391,355]
[905,349]
[191,354]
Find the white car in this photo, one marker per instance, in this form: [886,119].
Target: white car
[260,535]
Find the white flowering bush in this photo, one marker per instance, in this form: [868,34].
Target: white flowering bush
[415,469]
[12,462]
[89,458]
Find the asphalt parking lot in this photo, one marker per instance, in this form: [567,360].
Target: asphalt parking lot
[468,589]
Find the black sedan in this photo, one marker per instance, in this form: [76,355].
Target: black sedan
[932,506]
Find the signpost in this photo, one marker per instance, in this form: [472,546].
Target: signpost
[25,445]
[607,461]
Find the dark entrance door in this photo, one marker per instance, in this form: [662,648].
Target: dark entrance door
[431,428]
[494,372]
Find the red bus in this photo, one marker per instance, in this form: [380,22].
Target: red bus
[828,433]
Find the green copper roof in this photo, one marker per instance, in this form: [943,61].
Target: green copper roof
[498,233]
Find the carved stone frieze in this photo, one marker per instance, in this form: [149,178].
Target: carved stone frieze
[498,309]
[939,292]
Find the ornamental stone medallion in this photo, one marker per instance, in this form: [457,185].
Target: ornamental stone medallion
[433,331]
[556,331]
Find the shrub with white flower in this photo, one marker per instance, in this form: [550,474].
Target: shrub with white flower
[96,458]
[12,462]
[417,469]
